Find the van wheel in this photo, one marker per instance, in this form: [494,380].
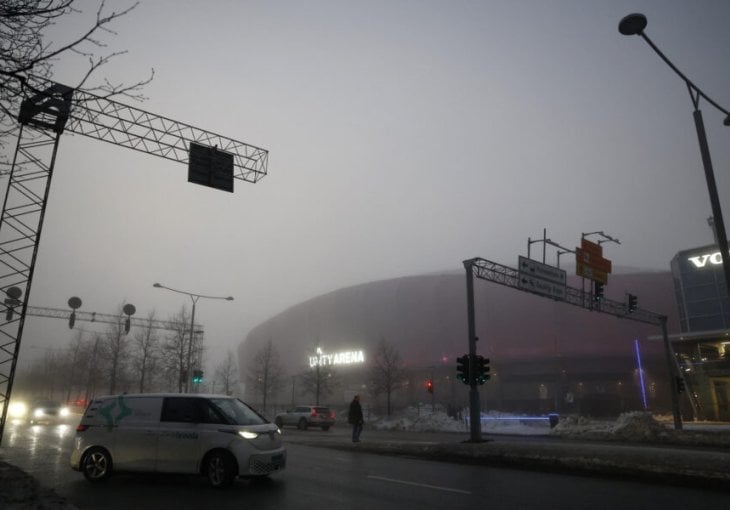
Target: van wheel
[220,469]
[279,422]
[96,465]
[302,425]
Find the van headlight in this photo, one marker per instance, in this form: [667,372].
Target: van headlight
[248,435]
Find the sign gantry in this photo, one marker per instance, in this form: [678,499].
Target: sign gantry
[47,111]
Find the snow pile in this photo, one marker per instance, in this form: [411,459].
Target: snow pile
[421,422]
[636,426]
[632,426]
[438,421]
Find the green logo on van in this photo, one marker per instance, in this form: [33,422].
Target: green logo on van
[122,412]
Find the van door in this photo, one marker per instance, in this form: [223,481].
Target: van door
[179,439]
[134,423]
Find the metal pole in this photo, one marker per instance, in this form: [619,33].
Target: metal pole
[714,198]
[475,420]
[671,366]
[189,376]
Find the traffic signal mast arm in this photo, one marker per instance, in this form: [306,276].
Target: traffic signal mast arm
[105,318]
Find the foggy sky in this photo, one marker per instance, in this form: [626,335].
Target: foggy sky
[404,137]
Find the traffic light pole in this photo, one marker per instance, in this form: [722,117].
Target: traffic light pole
[475,419]
[671,369]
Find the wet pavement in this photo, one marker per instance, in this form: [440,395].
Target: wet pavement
[705,464]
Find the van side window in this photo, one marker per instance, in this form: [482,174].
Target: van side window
[181,409]
[190,410]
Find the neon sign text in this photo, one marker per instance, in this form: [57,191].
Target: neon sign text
[701,261]
[338,358]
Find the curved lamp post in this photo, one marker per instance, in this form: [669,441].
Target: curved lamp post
[194,298]
[634,24]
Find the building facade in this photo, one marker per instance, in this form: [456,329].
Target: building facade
[545,355]
[703,346]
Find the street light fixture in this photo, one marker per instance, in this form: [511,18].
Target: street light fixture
[634,24]
[194,298]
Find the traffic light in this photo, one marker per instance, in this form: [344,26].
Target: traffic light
[197,376]
[482,370]
[680,384]
[632,305]
[462,368]
[597,291]
[429,386]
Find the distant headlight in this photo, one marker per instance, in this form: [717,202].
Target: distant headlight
[64,411]
[17,409]
[38,413]
[248,435]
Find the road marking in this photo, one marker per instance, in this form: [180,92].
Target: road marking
[404,482]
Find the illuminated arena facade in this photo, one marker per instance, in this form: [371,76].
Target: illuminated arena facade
[545,355]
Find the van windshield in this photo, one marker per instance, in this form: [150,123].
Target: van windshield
[238,413]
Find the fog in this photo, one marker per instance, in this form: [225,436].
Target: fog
[404,137]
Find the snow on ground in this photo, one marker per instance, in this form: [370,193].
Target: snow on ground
[637,426]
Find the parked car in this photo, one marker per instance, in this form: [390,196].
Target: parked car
[307,416]
[48,411]
[217,436]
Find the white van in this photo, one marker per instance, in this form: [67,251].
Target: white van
[213,435]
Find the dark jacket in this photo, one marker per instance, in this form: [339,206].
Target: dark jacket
[354,414]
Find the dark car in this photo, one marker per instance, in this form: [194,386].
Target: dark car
[48,411]
[307,416]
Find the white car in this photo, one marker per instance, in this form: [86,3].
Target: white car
[217,436]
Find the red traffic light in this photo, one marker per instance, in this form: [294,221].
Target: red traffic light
[429,386]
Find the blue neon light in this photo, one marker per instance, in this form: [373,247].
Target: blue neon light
[641,373]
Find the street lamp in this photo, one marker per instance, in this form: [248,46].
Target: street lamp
[194,298]
[634,24]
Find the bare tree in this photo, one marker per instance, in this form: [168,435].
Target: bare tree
[320,380]
[226,374]
[265,373]
[388,371]
[27,58]
[175,350]
[146,354]
[115,349]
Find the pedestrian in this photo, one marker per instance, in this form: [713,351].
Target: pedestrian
[354,418]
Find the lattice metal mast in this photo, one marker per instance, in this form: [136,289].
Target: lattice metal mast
[47,111]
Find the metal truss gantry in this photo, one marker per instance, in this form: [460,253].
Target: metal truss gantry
[49,109]
[510,277]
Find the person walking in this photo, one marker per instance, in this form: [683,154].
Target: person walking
[354,418]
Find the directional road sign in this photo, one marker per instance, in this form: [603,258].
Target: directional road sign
[589,262]
[541,278]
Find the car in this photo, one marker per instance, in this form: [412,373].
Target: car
[306,416]
[48,411]
[217,436]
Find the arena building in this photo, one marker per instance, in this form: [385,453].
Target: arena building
[545,355]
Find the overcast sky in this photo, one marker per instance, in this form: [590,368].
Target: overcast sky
[404,137]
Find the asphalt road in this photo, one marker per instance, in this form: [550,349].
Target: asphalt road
[318,478]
